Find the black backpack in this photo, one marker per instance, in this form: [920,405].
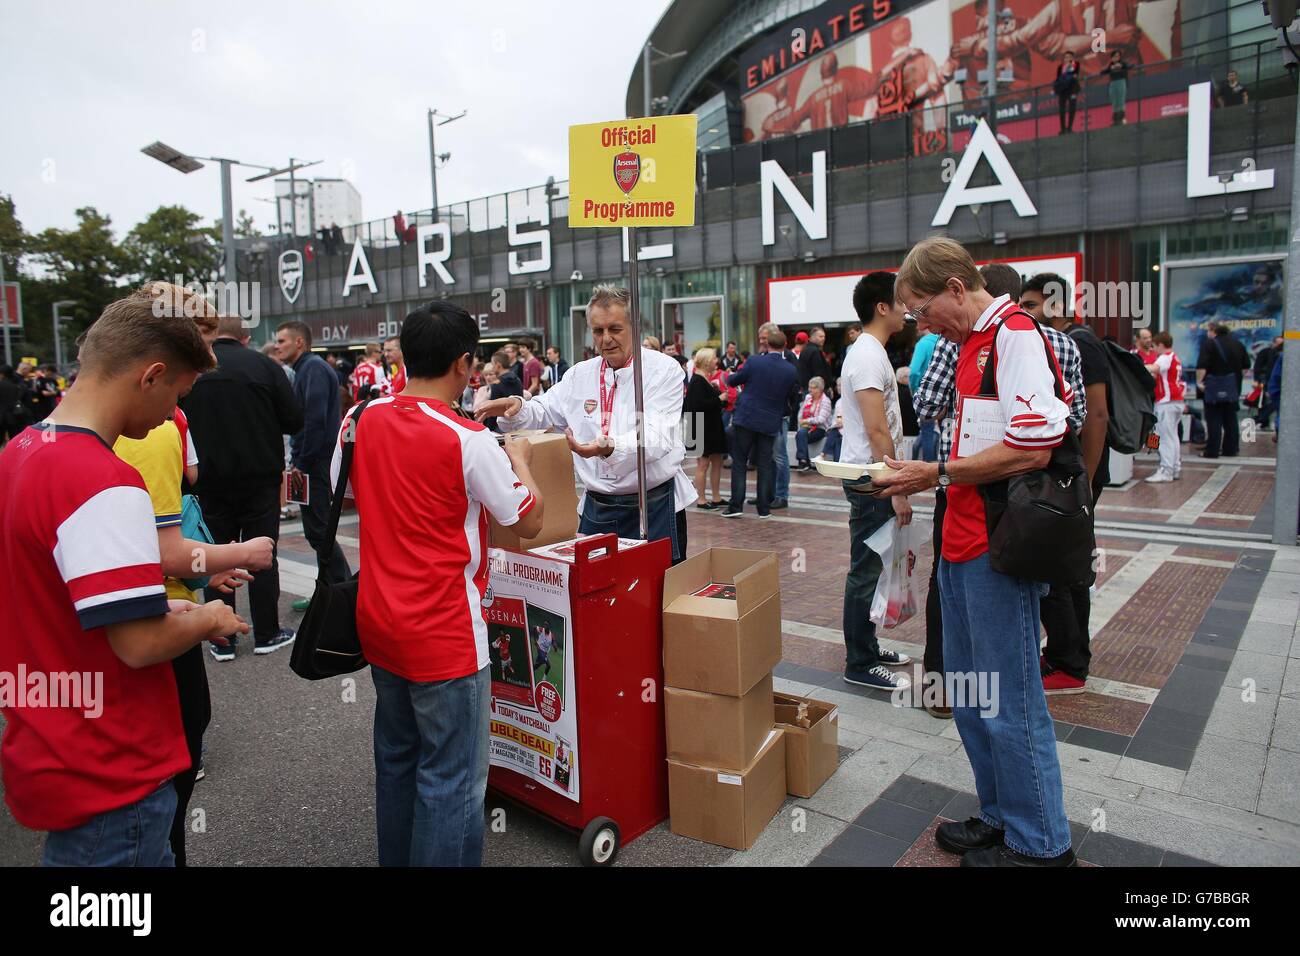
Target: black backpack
[1132,400]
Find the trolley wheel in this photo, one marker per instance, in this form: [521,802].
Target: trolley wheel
[599,842]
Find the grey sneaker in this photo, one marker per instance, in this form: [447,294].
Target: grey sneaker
[223,654]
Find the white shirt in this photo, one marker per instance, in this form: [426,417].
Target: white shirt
[866,365]
[574,402]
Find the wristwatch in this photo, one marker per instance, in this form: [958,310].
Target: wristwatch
[944,480]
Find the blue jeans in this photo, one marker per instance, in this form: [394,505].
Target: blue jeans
[781,460]
[624,518]
[134,835]
[991,631]
[927,443]
[747,441]
[802,438]
[831,449]
[866,515]
[431,768]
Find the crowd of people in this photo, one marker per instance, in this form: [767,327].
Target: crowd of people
[160,473]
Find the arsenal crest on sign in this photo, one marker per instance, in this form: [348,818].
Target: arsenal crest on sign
[627,170]
[291,274]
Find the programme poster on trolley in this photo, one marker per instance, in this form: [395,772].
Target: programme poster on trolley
[534,723]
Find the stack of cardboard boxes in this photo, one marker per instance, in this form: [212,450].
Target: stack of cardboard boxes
[730,741]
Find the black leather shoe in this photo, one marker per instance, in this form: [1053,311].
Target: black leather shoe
[1005,856]
[960,838]
[779,503]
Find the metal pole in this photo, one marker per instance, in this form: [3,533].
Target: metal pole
[4,311]
[58,349]
[293,200]
[634,308]
[993,64]
[227,221]
[433,166]
[1286,495]
[645,78]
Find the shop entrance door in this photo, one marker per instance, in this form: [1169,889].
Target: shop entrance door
[694,323]
[580,335]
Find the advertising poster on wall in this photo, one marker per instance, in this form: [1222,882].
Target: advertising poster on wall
[845,62]
[534,724]
[1244,294]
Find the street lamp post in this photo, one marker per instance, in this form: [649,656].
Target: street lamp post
[185,163]
[58,337]
[433,151]
[4,311]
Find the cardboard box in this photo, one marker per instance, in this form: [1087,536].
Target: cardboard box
[714,730]
[812,746]
[729,809]
[718,644]
[552,468]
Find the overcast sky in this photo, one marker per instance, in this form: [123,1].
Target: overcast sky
[87,83]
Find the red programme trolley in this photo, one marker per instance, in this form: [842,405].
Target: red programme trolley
[616,642]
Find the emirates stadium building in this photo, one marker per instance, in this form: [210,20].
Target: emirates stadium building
[832,136]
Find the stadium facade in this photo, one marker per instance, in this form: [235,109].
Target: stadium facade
[835,135]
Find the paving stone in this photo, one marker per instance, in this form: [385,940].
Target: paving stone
[1266,670]
[1178,859]
[1226,771]
[1150,774]
[1276,610]
[1241,822]
[1248,720]
[1099,740]
[1154,751]
[920,794]
[862,778]
[858,847]
[1280,797]
[1106,849]
[1291,682]
[1083,758]
[931,743]
[780,845]
[1213,844]
[1286,727]
[894,819]
[952,771]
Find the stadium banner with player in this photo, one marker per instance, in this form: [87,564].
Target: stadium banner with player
[848,62]
[633,172]
[1244,293]
[534,722]
[828,299]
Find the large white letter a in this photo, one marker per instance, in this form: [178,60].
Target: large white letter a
[1008,188]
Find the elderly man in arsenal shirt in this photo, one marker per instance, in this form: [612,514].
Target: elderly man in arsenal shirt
[991,620]
[595,405]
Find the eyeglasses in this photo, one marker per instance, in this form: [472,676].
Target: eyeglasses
[915,315]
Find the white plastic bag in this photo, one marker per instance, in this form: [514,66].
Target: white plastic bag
[898,594]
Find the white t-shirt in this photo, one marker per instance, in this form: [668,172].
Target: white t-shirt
[867,366]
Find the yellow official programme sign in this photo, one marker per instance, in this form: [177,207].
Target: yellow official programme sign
[634,172]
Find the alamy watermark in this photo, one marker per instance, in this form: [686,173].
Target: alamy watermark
[70,690]
[243,299]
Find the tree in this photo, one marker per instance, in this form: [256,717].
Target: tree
[13,238]
[244,227]
[84,265]
[170,242]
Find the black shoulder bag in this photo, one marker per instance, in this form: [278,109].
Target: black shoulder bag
[327,644]
[1224,388]
[1040,524]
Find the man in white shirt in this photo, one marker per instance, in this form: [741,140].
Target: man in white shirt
[594,403]
[872,431]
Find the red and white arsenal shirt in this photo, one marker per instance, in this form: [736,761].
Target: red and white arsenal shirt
[1170,386]
[424,480]
[78,553]
[1036,418]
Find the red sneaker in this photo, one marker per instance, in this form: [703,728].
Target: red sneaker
[1059,682]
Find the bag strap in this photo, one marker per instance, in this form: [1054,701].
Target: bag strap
[1218,346]
[340,487]
[989,383]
